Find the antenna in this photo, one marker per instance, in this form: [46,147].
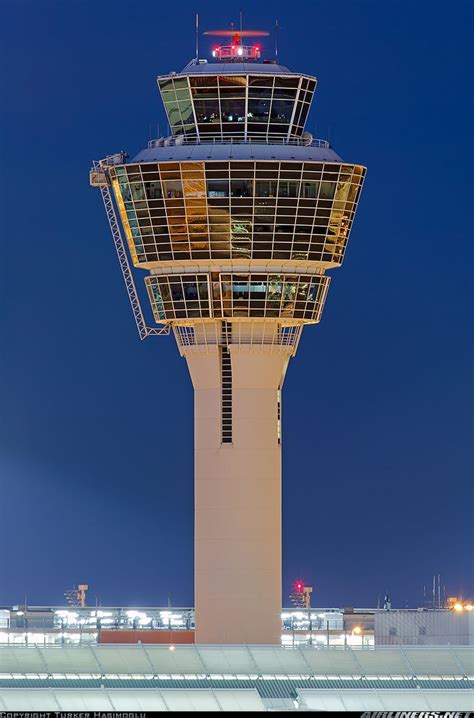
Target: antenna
[197,37]
[241,17]
[276,40]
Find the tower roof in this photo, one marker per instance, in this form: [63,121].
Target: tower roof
[244,151]
[235,68]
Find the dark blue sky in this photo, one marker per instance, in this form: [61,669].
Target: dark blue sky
[96,428]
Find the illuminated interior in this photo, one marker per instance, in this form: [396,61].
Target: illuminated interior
[215,295]
[253,210]
[222,105]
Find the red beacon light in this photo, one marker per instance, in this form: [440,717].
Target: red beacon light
[236,50]
[299,586]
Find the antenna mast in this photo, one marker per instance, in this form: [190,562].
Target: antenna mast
[197,38]
[276,40]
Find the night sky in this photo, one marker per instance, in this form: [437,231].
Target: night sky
[96,428]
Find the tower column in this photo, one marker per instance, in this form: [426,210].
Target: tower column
[237,493]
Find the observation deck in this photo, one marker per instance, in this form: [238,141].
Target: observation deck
[240,212]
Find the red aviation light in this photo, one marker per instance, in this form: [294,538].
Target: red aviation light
[299,586]
[236,50]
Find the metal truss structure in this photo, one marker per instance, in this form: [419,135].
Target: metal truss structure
[99,178]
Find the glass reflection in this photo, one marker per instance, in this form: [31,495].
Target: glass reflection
[206,210]
[237,105]
[177,297]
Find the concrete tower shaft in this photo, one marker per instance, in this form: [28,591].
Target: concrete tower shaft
[236,217]
[237,491]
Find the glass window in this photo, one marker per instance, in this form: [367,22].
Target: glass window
[166,85]
[288,188]
[233,110]
[241,188]
[259,110]
[281,110]
[125,191]
[207,110]
[207,81]
[172,110]
[284,94]
[327,190]
[267,170]
[232,81]
[134,174]
[153,190]
[261,81]
[181,83]
[313,293]
[138,191]
[275,287]
[186,110]
[266,188]
[200,93]
[310,190]
[218,188]
[304,113]
[172,189]
[230,92]
[287,81]
[190,289]
[183,95]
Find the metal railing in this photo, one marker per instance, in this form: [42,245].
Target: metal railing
[181,140]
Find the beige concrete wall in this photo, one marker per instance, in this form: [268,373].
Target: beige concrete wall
[238,499]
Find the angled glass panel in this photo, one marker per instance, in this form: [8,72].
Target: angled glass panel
[236,81]
[259,109]
[233,110]
[281,110]
[207,111]
[206,81]
[260,81]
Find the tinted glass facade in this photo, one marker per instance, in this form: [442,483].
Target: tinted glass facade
[253,106]
[221,295]
[237,210]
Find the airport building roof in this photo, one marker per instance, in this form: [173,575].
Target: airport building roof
[234,678]
[392,662]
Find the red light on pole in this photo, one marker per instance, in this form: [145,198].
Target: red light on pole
[299,586]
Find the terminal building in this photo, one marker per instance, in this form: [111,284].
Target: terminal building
[120,677]
[319,627]
[143,658]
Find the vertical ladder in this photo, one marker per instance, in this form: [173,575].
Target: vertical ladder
[226,384]
[99,178]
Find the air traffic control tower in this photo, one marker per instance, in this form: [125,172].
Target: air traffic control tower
[235,218]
